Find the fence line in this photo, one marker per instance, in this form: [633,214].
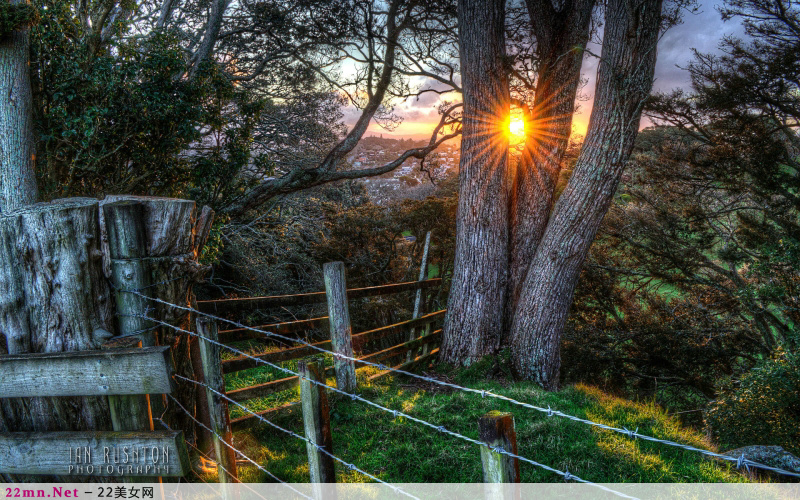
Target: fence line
[565,474]
[739,461]
[349,465]
[440,428]
[238,452]
[246,303]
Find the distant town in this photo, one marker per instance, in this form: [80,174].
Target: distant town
[409,180]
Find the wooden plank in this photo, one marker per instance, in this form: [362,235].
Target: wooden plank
[250,303]
[248,420]
[263,390]
[407,365]
[317,422]
[217,404]
[341,329]
[244,362]
[86,373]
[286,329]
[409,346]
[360,339]
[161,453]
[496,430]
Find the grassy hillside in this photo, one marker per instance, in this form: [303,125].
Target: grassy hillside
[398,450]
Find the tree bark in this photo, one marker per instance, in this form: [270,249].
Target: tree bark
[474,321]
[561,37]
[54,298]
[625,77]
[17,142]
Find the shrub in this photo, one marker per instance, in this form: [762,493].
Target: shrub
[764,409]
[14,17]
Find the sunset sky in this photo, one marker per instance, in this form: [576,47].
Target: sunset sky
[702,31]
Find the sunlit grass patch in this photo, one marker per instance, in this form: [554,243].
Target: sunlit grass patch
[399,450]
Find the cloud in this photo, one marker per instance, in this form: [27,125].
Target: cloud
[702,31]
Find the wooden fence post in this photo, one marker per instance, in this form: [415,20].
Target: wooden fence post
[419,304]
[497,430]
[127,244]
[341,331]
[217,405]
[316,421]
[423,270]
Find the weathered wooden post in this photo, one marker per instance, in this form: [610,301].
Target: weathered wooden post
[341,331]
[316,421]
[175,235]
[419,304]
[127,244]
[217,405]
[54,299]
[423,270]
[497,431]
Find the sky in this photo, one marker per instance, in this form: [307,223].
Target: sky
[702,31]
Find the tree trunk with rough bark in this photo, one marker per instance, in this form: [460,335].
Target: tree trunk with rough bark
[474,322]
[561,37]
[625,77]
[17,142]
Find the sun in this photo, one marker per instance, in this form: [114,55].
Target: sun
[516,128]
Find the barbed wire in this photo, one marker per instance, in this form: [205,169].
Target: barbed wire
[440,428]
[199,452]
[239,452]
[740,461]
[322,449]
[152,285]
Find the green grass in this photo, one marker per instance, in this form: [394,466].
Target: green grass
[398,450]
[260,375]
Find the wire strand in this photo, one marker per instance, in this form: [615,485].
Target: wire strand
[242,454]
[739,461]
[566,475]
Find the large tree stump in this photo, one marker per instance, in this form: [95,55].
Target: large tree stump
[53,298]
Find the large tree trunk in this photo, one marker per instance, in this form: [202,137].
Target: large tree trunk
[474,320]
[53,298]
[17,155]
[625,77]
[561,37]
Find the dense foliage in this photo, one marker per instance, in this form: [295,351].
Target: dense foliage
[693,280]
[763,408]
[16,16]
[121,107]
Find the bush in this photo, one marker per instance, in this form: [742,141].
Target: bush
[14,17]
[764,409]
